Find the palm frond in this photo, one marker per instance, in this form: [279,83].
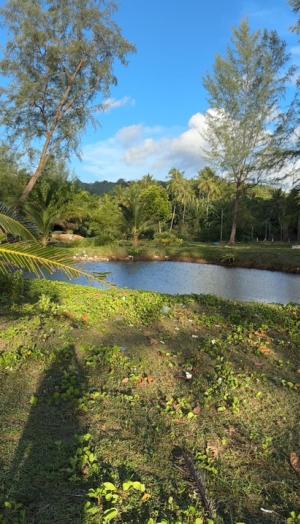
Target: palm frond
[34,258]
[11,222]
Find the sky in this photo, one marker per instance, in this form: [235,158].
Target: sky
[155,114]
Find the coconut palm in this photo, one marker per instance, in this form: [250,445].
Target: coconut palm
[133,206]
[181,192]
[209,187]
[28,254]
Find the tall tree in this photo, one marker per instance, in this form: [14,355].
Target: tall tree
[245,92]
[59,55]
[209,187]
[181,193]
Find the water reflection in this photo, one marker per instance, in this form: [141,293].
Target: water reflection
[187,278]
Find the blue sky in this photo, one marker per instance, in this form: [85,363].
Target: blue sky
[155,114]
[160,101]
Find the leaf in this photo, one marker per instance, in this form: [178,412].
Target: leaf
[11,222]
[34,400]
[295,462]
[139,486]
[146,497]
[133,485]
[110,514]
[34,258]
[109,486]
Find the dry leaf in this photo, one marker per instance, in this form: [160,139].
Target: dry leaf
[213,450]
[197,410]
[295,462]
[265,350]
[154,342]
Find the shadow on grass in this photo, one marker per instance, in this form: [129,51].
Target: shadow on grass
[39,476]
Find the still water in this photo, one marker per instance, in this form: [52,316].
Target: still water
[186,278]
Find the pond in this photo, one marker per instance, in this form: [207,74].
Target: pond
[187,278]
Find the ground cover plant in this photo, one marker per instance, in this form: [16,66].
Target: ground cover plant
[135,407]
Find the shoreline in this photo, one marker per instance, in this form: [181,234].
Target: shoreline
[178,258]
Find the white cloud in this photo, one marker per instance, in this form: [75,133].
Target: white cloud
[137,150]
[295,50]
[113,103]
[129,135]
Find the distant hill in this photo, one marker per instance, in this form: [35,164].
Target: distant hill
[100,188]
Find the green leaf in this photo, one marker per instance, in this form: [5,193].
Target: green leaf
[109,486]
[34,258]
[110,514]
[11,222]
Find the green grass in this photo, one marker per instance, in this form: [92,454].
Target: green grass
[95,402]
[278,257]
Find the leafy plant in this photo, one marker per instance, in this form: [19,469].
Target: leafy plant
[112,502]
[29,255]
[294,518]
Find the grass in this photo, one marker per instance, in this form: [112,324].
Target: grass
[278,257]
[114,405]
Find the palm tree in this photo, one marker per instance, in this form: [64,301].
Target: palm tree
[181,192]
[133,206]
[208,186]
[47,203]
[28,254]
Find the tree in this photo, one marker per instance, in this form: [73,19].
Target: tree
[12,178]
[181,193]
[144,204]
[156,204]
[245,91]
[45,206]
[107,221]
[59,55]
[209,187]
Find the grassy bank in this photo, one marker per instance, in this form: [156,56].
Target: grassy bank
[259,256]
[114,406]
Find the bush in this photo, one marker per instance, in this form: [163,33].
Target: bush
[167,239]
[12,287]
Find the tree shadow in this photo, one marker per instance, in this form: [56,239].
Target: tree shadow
[39,476]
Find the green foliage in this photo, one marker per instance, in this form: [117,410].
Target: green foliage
[31,256]
[91,406]
[11,223]
[294,518]
[112,502]
[168,238]
[245,90]
[12,287]
[46,206]
[145,207]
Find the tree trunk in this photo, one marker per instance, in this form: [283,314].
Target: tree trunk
[62,108]
[45,240]
[135,238]
[183,215]
[39,170]
[298,229]
[232,239]
[173,218]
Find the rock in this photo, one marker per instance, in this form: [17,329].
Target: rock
[66,237]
